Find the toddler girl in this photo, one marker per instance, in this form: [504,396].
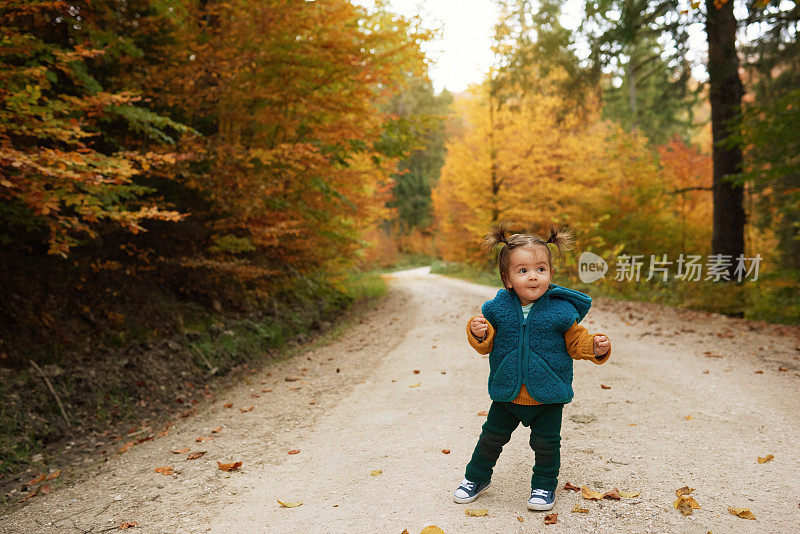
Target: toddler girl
[530,330]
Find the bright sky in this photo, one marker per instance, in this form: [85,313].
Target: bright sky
[463,54]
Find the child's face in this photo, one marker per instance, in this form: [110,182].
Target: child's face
[529,273]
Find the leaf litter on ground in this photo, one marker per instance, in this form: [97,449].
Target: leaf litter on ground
[476,512]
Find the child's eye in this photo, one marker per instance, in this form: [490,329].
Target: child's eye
[541,269]
[523,271]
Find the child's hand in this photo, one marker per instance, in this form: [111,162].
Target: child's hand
[479,326]
[601,345]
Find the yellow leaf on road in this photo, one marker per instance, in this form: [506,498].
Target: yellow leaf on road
[744,513]
[629,494]
[415,385]
[431,529]
[686,490]
[289,504]
[686,504]
[766,459]
[476,512]
[376,472]
[589,494]
[578,510]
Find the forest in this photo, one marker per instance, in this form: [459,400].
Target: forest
[186,187]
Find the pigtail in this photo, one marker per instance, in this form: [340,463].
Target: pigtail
[497,235]
[562,238]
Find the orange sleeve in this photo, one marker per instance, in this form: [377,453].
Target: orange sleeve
[483,346]
[580,344]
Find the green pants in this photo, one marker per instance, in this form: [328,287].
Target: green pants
[503,418]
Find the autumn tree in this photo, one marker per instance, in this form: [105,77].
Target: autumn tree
[64,170]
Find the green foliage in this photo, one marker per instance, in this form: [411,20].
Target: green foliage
[640,48]
[418,134]
[231,244]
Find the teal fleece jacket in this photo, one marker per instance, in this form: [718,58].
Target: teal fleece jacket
[533,351]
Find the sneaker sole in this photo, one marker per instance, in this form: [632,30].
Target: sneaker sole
[541,507]
[470,499]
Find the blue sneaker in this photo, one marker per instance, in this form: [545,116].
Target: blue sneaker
[469,491]
[542,500]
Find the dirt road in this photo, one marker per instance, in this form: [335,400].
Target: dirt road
[685,405]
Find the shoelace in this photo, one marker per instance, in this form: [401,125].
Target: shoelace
[539,493]
[470,486]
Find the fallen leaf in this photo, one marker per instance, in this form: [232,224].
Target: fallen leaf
[312,401]
[415,385]
[550,519]
[613,495]
[195,455]
[187,413]
[686,490]
[416,371]
[589,494]
[431,529]
[289,504]
[126,447]
[28,496]
[744,513]
[688,417]
[446,451]
[128,524]
[54,475]
[483,414]
[294,451]
[45,489]
[766,459]
[181,451]
[783,369]
[292,379]
[37,480]
[578,510]
[759,372]
[216,430]
[519,518]
[255,395]
[266,390]
[229,467]
[605,386]
[686,504]
[200,440]
[250,409]
[569,486]
[295,388]
[164,470]
[710,354]
[376,472]
[629,494]
[229,405]
[476,512]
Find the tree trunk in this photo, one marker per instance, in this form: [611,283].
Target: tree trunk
[726,100]
[632,90]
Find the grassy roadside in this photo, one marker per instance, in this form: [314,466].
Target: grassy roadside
[773,298]
[120,390]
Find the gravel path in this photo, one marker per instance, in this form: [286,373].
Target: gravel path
[685,405]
